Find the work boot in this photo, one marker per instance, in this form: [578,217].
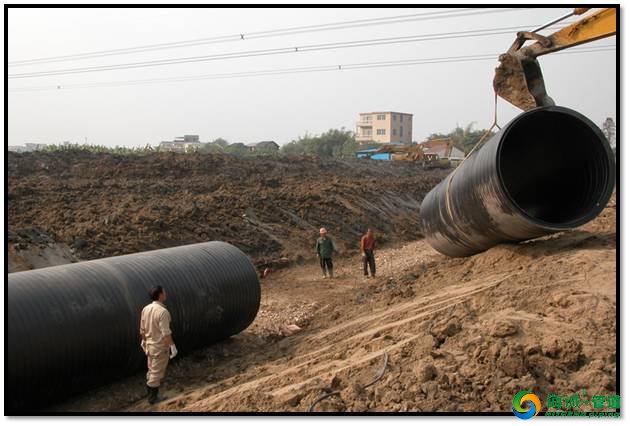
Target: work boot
[158,397]
[154,396]
[151,395]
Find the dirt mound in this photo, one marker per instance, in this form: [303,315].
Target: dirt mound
[103,205]
[32,248]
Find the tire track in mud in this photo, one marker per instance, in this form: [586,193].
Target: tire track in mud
[321,365]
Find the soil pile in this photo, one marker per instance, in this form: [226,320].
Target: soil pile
[102,205]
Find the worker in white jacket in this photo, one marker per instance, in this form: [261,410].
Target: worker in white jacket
[156,341]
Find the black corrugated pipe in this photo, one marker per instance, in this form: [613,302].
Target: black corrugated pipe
[72,327]
[548,170]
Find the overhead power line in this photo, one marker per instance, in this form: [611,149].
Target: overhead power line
[297,70]
[265,34]
[276,51]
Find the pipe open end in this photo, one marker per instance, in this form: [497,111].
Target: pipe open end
[557,167]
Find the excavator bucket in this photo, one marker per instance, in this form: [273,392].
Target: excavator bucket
[519,81]
[510,82]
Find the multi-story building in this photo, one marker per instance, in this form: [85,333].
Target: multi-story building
[384,127]
[185,143]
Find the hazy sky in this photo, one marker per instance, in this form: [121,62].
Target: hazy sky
[280,107]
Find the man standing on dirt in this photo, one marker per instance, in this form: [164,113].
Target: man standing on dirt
[325,248]
[156,341]
[367,253]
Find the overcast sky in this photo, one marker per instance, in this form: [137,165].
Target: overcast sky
[280,107]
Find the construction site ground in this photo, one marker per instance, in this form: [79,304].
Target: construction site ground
[84,206]
[447,334]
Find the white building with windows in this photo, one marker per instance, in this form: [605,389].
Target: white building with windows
[385,127]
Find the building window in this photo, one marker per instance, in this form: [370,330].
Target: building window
[393,132]
[380,131]
[380,117]
[401,132]
[394,117]
[401,117]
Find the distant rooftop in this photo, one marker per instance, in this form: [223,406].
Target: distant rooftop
[384,112]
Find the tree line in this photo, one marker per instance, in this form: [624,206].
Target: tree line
[334,143]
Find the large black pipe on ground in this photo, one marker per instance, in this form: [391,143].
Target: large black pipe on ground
[550,169]
[76,326]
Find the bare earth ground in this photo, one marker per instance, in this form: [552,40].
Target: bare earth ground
[91,206]
[460,334]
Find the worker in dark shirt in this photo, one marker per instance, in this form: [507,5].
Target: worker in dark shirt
[367,253]
[325,247]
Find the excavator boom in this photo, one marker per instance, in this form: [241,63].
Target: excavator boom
[519,79]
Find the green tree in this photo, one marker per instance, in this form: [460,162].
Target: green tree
[610,131]
[221,142]
[119,150]
[333,143]
[210,148]
[237,149]
[262,150]
[464,138]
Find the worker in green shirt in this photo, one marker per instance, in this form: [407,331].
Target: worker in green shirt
[325,248]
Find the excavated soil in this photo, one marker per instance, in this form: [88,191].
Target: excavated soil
[436,333]
[100,205]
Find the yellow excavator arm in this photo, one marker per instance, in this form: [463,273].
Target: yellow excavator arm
[519,80]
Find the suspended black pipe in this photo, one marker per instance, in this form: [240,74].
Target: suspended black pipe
[76,326]
[549,169]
